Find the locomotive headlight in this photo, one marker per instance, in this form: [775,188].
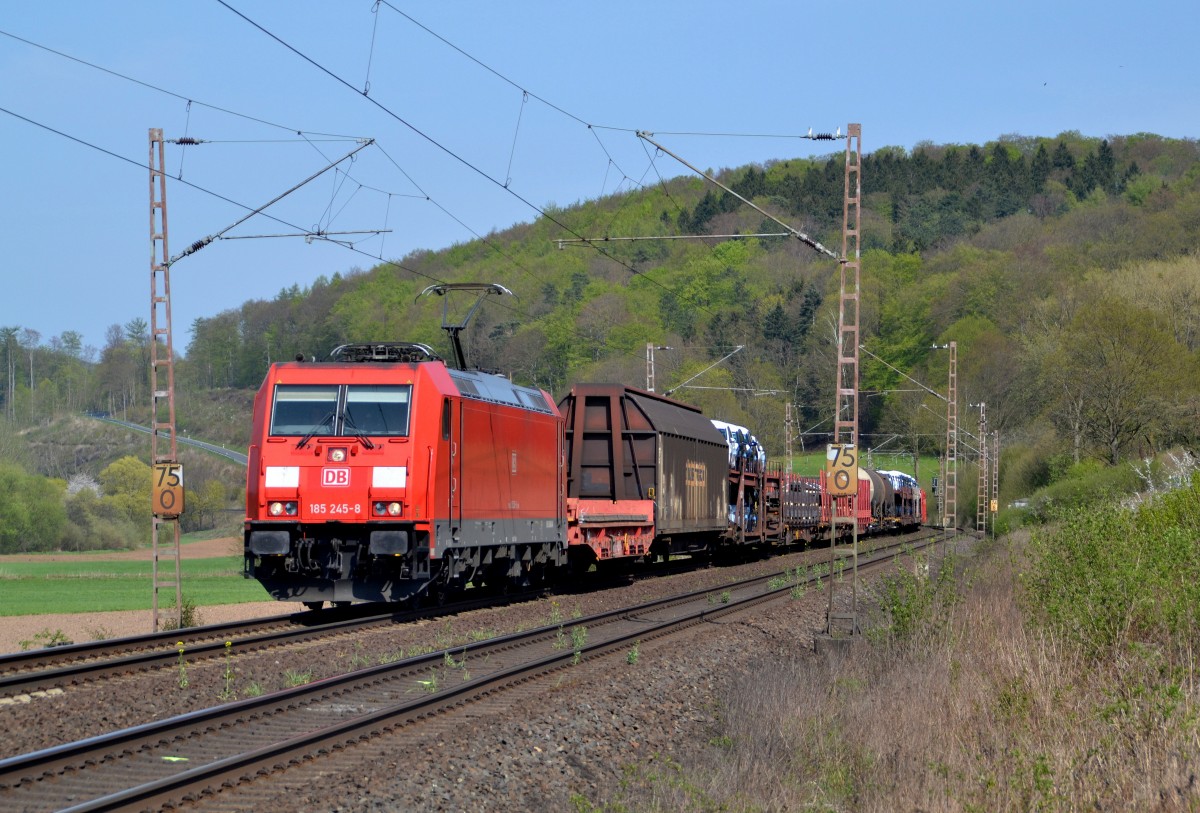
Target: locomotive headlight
[337,455]
[279,509]
[276,509]
[390,509]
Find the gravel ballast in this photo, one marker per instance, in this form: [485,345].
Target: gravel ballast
[560,744]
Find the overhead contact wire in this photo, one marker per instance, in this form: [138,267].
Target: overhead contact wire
[434,142]
[179,96]
[489,68]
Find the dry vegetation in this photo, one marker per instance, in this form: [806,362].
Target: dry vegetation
[964,704]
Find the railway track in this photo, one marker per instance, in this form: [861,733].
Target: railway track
[194,754]
[61,667]
[27,673]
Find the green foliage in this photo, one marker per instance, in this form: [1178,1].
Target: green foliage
[297,677]
[379,306]
[96,524]
[1106,577]
[127,485]
[188,616]
[1083,485]
[45,639]
[181,666]
[32,515]
[915,599]
[578,639]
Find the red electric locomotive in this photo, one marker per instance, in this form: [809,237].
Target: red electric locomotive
[384,474]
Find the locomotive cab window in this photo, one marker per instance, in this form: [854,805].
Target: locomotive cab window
[333,410]
[376,410]
[300,409]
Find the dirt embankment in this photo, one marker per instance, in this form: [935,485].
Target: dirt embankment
[204,549]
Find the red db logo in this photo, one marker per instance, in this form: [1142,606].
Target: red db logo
[335,477]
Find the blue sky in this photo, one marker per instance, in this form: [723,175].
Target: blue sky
[451,132]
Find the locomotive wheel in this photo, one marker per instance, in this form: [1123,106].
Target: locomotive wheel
[495,579]
[313,605]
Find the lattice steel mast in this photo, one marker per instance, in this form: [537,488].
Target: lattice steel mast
[950,483]
[982,482]
[995,501]
[162,381]
[845,416]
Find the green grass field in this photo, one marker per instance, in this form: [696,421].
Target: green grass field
[810,464]
[36,588]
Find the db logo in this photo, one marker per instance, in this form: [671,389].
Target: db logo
[335,477]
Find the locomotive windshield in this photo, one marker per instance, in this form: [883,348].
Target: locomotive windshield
[331,410]
[300,410]
[377,410]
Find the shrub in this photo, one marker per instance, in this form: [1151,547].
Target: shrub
[1104,576]
[32,517]
[189,617]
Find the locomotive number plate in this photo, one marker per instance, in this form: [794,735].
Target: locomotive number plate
[334,509]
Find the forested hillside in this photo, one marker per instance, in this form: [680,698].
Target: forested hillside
[1065,268]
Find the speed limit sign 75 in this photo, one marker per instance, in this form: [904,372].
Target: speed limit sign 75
[167,497]
[841,469]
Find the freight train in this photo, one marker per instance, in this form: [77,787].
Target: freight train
[385,474]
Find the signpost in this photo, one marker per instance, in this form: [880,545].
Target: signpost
[841,469]
[167,498]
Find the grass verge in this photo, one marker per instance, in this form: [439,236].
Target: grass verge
[36,588]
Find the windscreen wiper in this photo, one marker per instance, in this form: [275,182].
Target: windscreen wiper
[348,424]
[323,422]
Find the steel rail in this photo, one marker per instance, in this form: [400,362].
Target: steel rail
[56,667]
[141,749]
